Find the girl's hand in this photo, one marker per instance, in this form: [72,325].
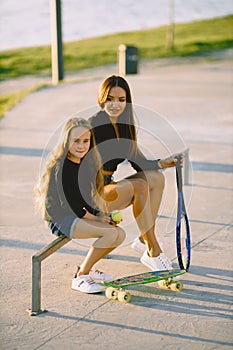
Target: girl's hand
[113,218]
[107,219]
[104,218]
[171,161]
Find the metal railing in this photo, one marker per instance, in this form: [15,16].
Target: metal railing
[36,272]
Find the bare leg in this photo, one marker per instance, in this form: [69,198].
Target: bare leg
[108,238]
[135,191]
[93,256]
[143,214]
[156,182]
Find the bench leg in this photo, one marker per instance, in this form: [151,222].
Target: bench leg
[36,288]
[36,272]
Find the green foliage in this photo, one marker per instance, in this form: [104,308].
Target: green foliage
[190,39]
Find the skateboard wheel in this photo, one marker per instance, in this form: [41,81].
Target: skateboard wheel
[177,286]
[163,284]
[124,297]
[111,293]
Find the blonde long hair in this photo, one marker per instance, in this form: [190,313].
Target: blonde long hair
[60,152]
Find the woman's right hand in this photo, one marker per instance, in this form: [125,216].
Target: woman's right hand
[171,161]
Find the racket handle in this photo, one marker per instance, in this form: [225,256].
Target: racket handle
[179,180]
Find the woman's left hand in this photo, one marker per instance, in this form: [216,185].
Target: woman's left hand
[171,161]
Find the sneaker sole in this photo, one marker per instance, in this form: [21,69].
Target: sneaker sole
[91,292]
[102,281]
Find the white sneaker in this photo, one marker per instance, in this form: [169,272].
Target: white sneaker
[99,276]
[138,245]
[85,284]
[159,263]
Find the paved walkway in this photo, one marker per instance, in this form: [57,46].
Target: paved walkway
[178,106]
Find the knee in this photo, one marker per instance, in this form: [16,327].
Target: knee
[157,180]
[113,235]
[160,179]
[141,187]
[116,236]
[121,235]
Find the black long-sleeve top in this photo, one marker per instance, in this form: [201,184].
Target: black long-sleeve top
[115,150]
[66,192]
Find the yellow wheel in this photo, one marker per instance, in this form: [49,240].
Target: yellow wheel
[163,284]
[124,297]
[111,293]
[176,286]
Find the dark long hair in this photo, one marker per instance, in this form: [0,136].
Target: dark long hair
[127,117]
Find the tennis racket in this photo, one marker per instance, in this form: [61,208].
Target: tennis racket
[183,241]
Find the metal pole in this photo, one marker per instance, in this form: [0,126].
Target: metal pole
[57,56]
[170,29]
[36,286]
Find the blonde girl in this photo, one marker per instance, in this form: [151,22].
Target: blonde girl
[68,194]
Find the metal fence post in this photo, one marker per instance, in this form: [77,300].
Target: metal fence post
[57,55]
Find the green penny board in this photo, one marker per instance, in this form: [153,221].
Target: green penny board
[144,278]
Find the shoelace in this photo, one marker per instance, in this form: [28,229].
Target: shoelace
[165,262]
[89,281]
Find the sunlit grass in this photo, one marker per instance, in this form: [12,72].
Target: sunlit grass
[195,38]
[190,39]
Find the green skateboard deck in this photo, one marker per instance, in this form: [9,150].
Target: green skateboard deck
[165,279]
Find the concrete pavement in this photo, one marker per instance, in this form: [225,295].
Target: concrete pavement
[178,105]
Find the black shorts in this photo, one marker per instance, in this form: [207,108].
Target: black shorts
[63,227]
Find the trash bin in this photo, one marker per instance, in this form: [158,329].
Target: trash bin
[128,60]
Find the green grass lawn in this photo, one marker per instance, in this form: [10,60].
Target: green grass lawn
[195,38]
[190,38]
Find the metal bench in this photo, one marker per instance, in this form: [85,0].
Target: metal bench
[36,272]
